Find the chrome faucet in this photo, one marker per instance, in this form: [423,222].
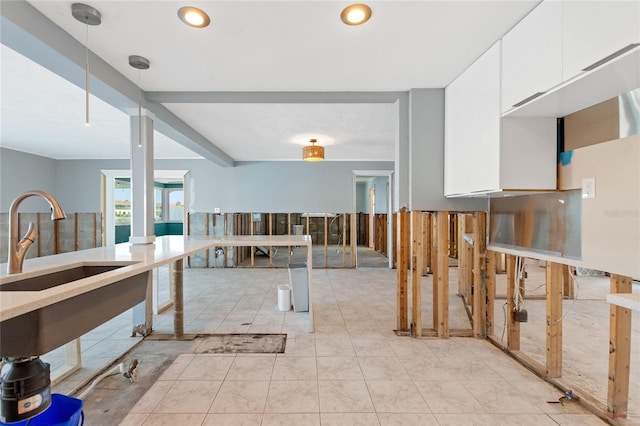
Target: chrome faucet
[18,249]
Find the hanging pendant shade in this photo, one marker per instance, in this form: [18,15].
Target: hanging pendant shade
[313,152]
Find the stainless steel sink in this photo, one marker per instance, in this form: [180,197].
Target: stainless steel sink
[40,331]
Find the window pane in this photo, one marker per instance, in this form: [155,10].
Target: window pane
[176,205]
[122,201]
[158,203]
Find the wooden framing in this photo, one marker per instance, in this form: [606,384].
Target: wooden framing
[554,319]
[513,327]
[326,241]
[567,282]
[252,248]
[619,351]
[39,248]
[441,276]
[354,240]
[403,265]
[491,290]
[416,273]
[426,243]
[270,234]
[479,275]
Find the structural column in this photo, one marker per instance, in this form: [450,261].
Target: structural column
[416,273]
[142,202]
[554,319]
[479,275]
[441,277]
[513,327]
[402,246]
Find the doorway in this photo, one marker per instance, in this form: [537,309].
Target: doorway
[372,202]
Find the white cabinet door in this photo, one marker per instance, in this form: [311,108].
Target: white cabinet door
[532,55]
[472,127]
[593,30]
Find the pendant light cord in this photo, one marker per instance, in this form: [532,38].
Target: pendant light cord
[87,73]
[139,113]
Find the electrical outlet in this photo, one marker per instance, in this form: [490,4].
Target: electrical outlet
[216,209]
[520,316]
[588,188]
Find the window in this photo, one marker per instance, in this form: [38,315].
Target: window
[158,212]
[122,201]
[176,204]
[168,202]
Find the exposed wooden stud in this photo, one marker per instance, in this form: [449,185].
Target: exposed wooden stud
[554,319]
[426,243]
[479,275]
[326,241]
[354,240]
[395,240]
[441,276]
[289,234]
[206,232]
[345,219]
[434,244]
[513,327]
[416,273]
[95,230]
[308,233]
[619,351]
[56,235]
[491,289]
[403,265]
[453,246]
[252,248]
[270,234]
[567,282]
[224,249]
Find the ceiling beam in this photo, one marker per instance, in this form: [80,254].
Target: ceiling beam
[30,33]
[274,97]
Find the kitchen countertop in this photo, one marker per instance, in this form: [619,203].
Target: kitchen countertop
[137,258]
[626,300]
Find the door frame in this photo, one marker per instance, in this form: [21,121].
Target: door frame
[376,173]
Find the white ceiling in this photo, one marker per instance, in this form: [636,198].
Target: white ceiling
[287,46]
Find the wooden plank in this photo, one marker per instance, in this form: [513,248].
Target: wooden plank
[554,319]
[567,282]
[354,240]
[38,237]
[224,249]
[95,230]
[441,276]
[462,254]
[426,243]
[253,249]
[326,241]
[76,242]
[403,266]
[416,273]
[479,275]
[345,222]
[288,233]
[513,327]
[619,351]
[270,247]
[491,290]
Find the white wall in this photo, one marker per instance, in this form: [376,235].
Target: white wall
[20,172]
[426,159]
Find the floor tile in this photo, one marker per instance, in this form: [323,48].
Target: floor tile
[334,346]
[152,397]
[382,368]
[177,367]
[407,419]
[500,397]
[292,397]
[173,419]
[207,367]
[338,368]
[251,368]
[372,347]
[426,368]
[349,419]
[242,396]
[295,368]
[188,397]
[134,419]
[448,397]
[524,420]
[577,420]
[232,420]
[291,419]
[344,396]
[465,419]
[396,397]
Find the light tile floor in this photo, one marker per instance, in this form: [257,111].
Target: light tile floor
[352,371]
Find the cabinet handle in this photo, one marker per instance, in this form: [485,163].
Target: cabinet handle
[530,98]
[610,57]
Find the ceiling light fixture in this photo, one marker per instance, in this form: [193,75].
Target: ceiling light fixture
[193,17]
[313,152]
[356,14]
[88,16]
[139,63]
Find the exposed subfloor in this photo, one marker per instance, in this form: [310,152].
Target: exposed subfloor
[352,370]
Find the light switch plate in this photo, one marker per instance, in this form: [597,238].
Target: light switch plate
[216,209]
[588,188]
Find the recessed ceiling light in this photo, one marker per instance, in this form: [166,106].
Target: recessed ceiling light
[356,14]
[193,17]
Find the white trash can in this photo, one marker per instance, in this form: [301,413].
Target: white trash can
[298,279]
[284,297]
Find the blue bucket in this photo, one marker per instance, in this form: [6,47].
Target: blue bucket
[63,411]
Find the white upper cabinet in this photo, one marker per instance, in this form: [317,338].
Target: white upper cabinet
[532,55]
[472,127]
[593,30]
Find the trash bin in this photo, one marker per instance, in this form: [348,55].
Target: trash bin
[63,411]
[299,286]
[284,297]
[298,229]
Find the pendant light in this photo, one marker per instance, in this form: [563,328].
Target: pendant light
[313,152]
[88,16]
[139,63]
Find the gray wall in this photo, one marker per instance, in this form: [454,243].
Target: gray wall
[361,197]
[426,159]
[379,183]
[20,172]
[250,186]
